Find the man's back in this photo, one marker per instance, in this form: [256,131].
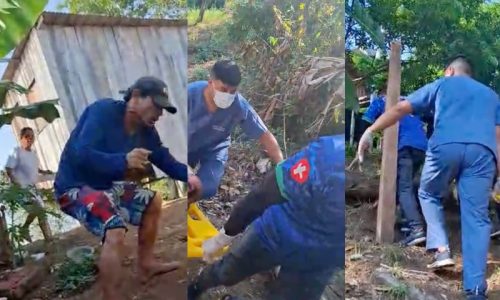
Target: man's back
[466,111]
[312,181]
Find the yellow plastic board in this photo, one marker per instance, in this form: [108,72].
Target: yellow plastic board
[199,230]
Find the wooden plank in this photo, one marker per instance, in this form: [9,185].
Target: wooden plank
[387,192]
[95,53]
[130,52]
[53,58]
[116,77]
[172,53]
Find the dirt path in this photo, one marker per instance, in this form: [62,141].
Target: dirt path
[171,245]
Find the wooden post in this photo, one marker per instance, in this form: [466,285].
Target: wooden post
[353,128]
[387,190]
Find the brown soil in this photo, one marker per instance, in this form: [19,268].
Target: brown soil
[171,245]
[364,255]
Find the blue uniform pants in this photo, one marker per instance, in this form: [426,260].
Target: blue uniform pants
[250,256]
[473,166]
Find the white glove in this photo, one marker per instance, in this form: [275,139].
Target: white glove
[365,142]
[212,246]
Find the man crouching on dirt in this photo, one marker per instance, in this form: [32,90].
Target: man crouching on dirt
[215,108]
[297,215]
[113,138]
[464,146]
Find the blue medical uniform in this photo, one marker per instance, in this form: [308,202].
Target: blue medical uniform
[462,147]
[210,134]
[312,220]
[412,144]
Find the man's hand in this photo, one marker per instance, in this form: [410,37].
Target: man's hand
[496,191]
[212,246]
[138,158]
[194,186]
[365,142]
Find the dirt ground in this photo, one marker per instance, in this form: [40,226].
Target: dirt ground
[364,256]
[171,245]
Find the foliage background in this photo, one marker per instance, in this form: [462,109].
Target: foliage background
[431,32]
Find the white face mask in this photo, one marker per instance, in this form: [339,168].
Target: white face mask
[223,100]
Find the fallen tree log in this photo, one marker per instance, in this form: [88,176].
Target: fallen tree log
[360,186]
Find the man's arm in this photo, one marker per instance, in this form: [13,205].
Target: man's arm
[10,175]
[162,158]
[271,147]
[254,127]
[253,205]
[12,161]
[391,116]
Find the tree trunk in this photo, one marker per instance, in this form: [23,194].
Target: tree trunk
[5,245]
[204,5]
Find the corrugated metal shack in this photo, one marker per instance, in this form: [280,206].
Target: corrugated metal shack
[80,58]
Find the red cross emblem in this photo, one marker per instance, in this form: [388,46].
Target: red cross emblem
[300,171]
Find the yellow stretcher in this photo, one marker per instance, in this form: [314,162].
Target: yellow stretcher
[199,229]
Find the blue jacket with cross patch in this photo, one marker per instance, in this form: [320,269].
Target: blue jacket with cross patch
[313,217]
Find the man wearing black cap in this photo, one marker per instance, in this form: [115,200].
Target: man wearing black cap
[215,109]
[111,140]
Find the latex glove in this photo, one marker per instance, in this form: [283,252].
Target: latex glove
[212,246]
[496,191]
[365,143]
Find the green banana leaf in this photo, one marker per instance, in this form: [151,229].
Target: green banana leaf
[45,109]
[17,17]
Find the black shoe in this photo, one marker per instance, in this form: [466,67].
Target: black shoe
[193,292]
[441,260]
[415,237]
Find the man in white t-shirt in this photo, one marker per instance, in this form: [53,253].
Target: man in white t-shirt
[22,169]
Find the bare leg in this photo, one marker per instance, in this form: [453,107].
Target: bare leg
[29,220]
[25,229]
[147,237]
[110,267]
[45,228]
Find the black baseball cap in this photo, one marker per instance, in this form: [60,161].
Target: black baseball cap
[156,89]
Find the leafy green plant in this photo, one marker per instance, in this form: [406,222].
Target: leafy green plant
[393,255]
[398,292]
[199,73]
[16,20]
[11,198]
[73,276]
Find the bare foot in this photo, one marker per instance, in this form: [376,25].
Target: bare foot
[148,272]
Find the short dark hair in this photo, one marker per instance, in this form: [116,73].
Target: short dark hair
[463,61]
[227,71]
[25,131]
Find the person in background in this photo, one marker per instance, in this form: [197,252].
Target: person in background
[295,219]
[22,168]
[412,144]
[465,146]
[215,108]
[112,140]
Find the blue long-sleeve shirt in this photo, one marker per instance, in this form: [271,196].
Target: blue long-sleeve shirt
[95,154]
